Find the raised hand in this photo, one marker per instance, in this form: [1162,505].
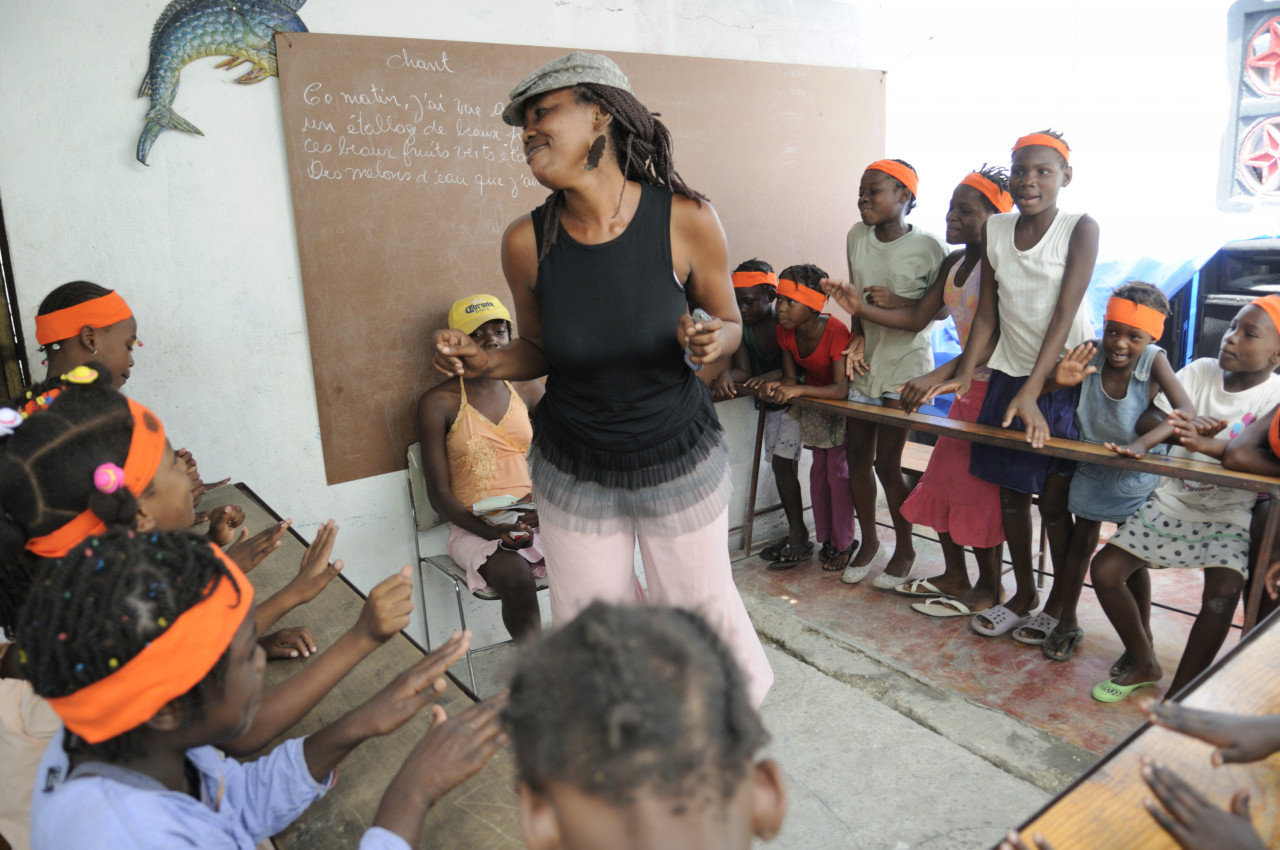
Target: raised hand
[458,354]
[1193,821]
[316,570]
[200,488]
[1238,737]
[1013,841]
[223,523]
[289,643]
[189,465]
[1074,368]
[412,690]
[386,610]
[703,338]
[844,294]
[248,553]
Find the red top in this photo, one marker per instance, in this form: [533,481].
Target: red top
[817,366]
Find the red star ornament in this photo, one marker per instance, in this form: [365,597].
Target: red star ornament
[1268,60]
[1267,158]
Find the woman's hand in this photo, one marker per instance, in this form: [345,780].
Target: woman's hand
[458,355]
[1074,368]
[386,610]
[223,523]
[844,294]
[885,298]
[289,643]
[855,361]
[1028,411]
[1193,821]
[703,338]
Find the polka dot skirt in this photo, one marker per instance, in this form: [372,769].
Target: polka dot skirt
[1163,541]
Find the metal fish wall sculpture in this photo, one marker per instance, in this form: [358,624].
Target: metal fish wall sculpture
[243,30]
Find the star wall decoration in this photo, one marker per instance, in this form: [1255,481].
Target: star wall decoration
[1263,65]
[1260,157]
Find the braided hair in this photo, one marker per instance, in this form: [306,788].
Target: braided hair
[911,200]
[623,699]
[997,175]
[1058,136]
[69,295]
[807,275]
[46,473]
[101,604]
[1143,293]
[642,142]
[753,265]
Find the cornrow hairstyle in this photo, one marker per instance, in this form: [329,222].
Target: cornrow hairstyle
[754,265]
[997,175]
[911,202]
[623,699]
[640,140]
[68,295]
[807,275]
[46,473]
[1143,293]
[99,606]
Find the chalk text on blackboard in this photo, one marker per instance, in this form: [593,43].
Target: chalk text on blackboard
[404,60]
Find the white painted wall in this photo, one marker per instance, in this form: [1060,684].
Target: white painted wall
[202,242]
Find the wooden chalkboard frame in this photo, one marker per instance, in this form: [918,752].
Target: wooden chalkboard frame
[428,177]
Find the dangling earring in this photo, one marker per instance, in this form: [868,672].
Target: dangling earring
[596,152]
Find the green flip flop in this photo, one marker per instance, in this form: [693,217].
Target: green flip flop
[1109,691]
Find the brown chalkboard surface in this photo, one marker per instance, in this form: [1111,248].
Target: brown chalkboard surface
[404,178]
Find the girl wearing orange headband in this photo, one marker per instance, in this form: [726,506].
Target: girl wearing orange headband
[81,321]
[963,509]
[814,342]
[1036,266]
[885,254]
[1199,526]
[145,646]
[1119,376]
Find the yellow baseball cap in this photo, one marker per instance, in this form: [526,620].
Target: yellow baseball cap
[471,312]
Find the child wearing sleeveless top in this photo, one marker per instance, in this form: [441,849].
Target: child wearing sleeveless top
[475,434]
[1119,377]
[1036,266]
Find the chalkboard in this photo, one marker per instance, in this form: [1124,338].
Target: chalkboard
[404,178]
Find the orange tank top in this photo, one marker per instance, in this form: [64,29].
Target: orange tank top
[486,459]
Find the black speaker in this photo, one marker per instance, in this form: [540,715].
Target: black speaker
[1237,274]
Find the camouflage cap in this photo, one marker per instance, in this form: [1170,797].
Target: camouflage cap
[576,68]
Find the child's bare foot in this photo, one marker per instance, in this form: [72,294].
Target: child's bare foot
[1140,672]
[1125,661]
[979,599]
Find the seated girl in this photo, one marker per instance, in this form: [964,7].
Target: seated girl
[632,728]
[475,434]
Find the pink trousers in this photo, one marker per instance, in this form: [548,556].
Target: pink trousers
[833,517]
[690,571]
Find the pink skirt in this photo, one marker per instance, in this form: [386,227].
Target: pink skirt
[948,498]
[472,552]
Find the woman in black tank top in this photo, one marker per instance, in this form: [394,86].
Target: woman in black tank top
[603,277]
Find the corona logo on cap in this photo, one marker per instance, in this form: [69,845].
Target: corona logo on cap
[471,312]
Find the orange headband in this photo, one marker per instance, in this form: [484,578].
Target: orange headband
[1271,304]
[146,449]
[1046,140]
[1273,435]
[897,170]
[813,300]
[165,669]
[67,322]
[999,198]
[1135,315]
[743,280]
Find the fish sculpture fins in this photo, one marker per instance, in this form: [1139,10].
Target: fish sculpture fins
[156,124]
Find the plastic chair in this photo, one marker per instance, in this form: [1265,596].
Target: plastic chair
[425,518]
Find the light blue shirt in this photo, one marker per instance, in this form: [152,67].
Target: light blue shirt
[112,808]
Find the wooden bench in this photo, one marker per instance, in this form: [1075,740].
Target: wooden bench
[1207,473]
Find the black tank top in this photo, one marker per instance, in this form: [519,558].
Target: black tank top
[618,382]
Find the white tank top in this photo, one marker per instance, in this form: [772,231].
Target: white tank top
[1028,283]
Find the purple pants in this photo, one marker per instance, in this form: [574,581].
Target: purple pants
[833,519]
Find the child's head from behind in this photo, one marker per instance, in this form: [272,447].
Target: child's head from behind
[980,195]
[83,458]
[1252,342]
[484,318]
[800,295]
[887,192]
[133,636]
[755,295]
[1135,319]
[82,321]
[632,719]
[1038,171]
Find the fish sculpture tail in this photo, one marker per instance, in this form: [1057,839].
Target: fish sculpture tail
[157,122]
